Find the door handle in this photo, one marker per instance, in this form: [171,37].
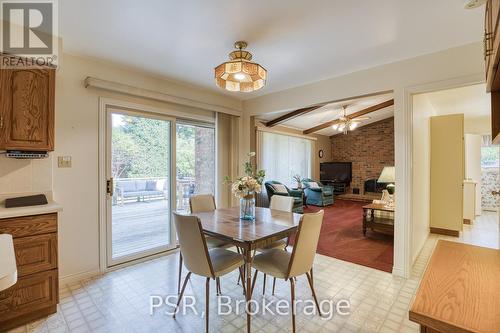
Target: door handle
[495,192]
[110,188]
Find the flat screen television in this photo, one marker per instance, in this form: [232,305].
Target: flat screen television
[340,172]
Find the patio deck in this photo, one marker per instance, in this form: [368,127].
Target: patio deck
[140,226]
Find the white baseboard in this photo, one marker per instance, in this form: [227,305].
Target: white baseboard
[399,272]
[72,278]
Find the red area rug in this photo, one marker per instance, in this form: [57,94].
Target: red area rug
[342,237]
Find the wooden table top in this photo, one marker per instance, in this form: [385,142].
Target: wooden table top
[379,207]
[226,223]
[460,290]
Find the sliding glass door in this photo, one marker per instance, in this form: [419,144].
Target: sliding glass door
[195,162]
[139,181]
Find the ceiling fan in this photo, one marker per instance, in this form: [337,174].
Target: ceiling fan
[345,123]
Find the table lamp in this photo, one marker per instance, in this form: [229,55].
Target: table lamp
[388,176]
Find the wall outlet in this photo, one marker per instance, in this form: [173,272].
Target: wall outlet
[64,161]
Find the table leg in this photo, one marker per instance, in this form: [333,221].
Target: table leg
[364,221]
[248,265]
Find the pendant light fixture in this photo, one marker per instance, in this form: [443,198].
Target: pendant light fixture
[240,73]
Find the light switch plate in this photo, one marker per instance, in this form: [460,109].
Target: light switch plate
[64,161]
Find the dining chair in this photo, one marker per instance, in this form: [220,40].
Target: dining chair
[199,204]
[284,265]
[199,260]
[284,204]
[281,203]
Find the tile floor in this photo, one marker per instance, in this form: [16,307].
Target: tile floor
[119,300]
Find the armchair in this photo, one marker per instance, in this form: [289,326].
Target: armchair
[318,196]
[296,194]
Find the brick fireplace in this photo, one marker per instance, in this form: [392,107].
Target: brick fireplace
[369,148]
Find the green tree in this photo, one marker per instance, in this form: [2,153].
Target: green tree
[151,138]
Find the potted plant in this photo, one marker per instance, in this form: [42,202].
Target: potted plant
[298,179]
[245,188]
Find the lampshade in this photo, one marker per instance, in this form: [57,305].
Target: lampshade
[388,175]
[240,74]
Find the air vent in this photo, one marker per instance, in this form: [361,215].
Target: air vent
[26,155]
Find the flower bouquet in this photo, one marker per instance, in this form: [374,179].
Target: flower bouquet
[245,188]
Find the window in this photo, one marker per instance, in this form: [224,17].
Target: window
[195,162]
[283,156]
[489,154]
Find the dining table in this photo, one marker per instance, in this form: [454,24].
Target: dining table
[268,227]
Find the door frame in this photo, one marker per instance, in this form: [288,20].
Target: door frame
[163,113]
[403,262]
[110,262]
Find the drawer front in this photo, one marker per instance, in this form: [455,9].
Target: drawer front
[36,253]
[30,293]
[29,225]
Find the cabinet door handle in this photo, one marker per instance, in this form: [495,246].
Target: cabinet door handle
[1,121]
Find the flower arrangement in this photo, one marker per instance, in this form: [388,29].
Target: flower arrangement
[245,188]
[249,184]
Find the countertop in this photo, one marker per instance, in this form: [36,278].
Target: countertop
[460,290]
[8,270]
[51,207]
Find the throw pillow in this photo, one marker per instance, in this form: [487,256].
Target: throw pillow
[279,188]
[313,185]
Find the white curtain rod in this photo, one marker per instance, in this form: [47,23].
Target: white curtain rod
[154,95]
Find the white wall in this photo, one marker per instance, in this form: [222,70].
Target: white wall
[472,147]
[25,176]
[422,111]
[76,188]
[457,64]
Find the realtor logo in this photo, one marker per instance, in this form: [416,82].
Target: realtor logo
[28,28]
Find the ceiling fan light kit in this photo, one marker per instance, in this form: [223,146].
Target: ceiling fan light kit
[240,73]
[346,124]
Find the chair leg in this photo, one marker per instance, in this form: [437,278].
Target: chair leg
[274,284]
[309,278]
[292,292]
[180,274]
[239,276]
[253,282]
[264,285]
[207,305]
[243,280]
[312,277]
[182,292]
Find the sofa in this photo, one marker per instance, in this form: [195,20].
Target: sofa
[140,189]
[298,204]
[322,195]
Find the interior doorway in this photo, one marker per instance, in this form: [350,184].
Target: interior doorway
[478,221]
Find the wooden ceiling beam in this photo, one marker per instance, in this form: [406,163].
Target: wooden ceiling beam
[293,114]
[351,116]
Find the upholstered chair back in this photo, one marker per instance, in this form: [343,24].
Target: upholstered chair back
[193,245]
[306,243]
[282,203]
[202,203]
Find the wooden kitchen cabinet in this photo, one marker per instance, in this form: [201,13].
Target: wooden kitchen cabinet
[492,59]
[36,293]
[27,108]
